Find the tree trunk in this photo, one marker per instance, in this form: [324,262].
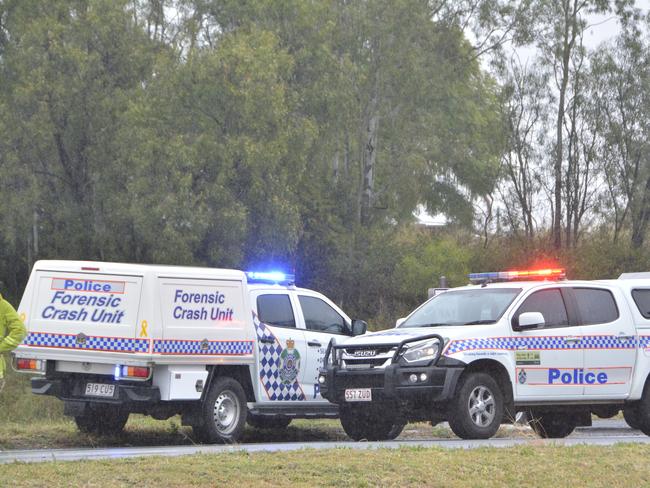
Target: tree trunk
[369,159]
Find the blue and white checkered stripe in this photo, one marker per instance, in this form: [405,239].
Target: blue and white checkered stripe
[91,343]
[269,357]
[541,343]
[214,348]
[644,342]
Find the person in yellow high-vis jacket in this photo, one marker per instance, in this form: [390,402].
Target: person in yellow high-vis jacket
[12,332]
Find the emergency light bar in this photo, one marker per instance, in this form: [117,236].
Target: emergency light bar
[275,277]
[524,275]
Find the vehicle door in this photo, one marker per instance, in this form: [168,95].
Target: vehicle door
[281,347]
[609,342]
[548,358]
[322,321]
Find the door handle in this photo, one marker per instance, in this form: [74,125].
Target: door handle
[267,340]
[622,337]
[314,343]
[572,339]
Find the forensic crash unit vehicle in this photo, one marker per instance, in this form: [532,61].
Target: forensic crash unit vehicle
[515,341]
[217,346]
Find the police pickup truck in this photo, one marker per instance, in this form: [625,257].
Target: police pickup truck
[217,346]
[513,341]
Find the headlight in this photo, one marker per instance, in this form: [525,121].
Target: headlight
[421,352]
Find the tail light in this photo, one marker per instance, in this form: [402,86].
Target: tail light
[132,372]
[33,365]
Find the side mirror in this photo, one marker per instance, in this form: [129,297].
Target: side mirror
[398,322]
[528,320]
[359,327]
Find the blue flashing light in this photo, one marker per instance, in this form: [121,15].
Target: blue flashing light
[270,277]
[524,275]
[117,372]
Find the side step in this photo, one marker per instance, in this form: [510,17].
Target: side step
[295,412]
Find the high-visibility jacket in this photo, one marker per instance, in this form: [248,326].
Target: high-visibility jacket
[12,330]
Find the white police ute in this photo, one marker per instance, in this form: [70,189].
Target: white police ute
[219,347]
[513,341]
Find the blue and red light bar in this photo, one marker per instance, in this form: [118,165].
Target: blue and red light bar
[550,274]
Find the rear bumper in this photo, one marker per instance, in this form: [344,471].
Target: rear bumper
[393,383]
[73,389]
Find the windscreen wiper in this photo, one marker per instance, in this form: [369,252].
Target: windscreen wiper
[430,325]
[479,322]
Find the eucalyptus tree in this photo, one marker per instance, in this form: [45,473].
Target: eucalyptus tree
[621,82]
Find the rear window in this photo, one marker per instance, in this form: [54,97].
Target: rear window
[276,310]
[642,300]
[596,306]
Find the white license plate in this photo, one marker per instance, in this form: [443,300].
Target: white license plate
[100,389]
[358,395]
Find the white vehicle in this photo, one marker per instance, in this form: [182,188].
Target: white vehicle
[476,355]
[217,346]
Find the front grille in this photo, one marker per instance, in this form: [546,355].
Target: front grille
[369,362]
[377,350]
[366,357]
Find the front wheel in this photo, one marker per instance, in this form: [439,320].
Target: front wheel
[223,414]
[551,425]
[364,422]
[477,408]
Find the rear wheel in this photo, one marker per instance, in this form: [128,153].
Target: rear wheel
[267,422]
[364,422]
[102,420]
[476,410]
[223,413]
[551,425]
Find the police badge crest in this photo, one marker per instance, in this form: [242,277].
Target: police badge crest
[522,376]
[289,363]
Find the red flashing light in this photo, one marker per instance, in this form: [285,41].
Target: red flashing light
[540,273]
[537,274]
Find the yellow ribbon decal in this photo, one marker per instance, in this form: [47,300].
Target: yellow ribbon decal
[23,317]
[143,329]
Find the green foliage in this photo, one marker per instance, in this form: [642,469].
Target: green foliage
[241,134]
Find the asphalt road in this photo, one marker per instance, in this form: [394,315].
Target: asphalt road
[602,433]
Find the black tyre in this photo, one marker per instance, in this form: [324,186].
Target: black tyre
[264,422]
[223,413]
[551,425]
[631,416]
[365,422]
[640,413]
[102,420]
[477,408]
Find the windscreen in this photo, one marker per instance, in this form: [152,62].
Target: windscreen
[463,307]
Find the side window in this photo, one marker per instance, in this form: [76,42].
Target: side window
[642,300]
[320,317]
[550,304]
[275,310]
[595,306]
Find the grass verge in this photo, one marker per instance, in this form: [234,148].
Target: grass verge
[530,466]
[145,431]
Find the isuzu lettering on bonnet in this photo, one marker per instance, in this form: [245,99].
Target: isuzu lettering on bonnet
[513,341]
[217,346]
